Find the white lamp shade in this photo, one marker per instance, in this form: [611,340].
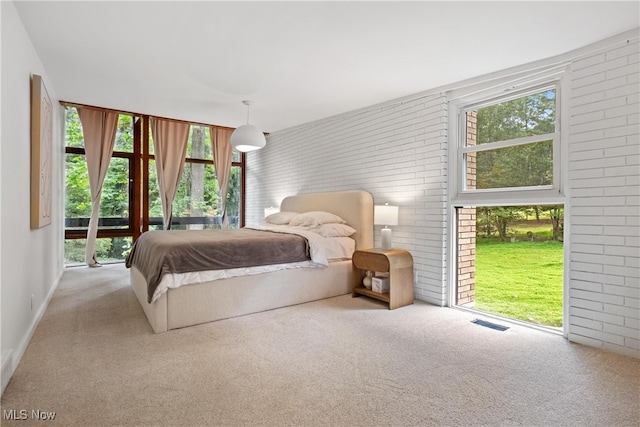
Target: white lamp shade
[247,138]
[385,215]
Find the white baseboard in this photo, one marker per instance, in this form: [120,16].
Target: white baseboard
[11,358]
[6,369]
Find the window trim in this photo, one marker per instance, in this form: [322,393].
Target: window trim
[505,195]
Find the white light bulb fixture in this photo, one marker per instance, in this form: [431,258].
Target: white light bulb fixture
[385,215]
[247,137]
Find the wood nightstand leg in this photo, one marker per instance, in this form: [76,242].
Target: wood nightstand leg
[401,289]
[356,279]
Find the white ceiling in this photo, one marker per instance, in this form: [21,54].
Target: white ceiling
[298,61]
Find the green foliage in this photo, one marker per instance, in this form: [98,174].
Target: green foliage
[155,205]
[556,214]
[498,218]
[527,165]
[114,201]
[517,118]
[207,201]
[107,249]
[78,196]
[233,196]
[521,280]
[73,129]
[522,165]
[518,267]
[199,143]
[124,134]
[503,220]
[197,194]
[521,277]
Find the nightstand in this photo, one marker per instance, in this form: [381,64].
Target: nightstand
[397,262]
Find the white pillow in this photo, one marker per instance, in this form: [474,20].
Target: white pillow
[315,218]
[335,230]
[281,218]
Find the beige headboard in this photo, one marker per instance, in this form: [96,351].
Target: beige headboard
[355,207]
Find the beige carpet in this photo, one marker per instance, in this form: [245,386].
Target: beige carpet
[343,361]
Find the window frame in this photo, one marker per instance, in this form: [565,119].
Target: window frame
[139,178]
[460,195]
[81,233]
[147,156]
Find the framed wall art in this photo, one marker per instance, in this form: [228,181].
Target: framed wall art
[41,152]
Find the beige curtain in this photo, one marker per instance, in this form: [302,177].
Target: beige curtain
[220,139]
[99,129]
[170,148]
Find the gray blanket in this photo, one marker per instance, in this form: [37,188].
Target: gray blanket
[156,253]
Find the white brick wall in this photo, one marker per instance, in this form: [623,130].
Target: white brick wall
[397,151]
[603,187]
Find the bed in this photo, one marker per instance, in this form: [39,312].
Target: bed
[221,298]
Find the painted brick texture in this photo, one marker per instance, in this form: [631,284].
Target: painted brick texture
[603,188]
[397,151]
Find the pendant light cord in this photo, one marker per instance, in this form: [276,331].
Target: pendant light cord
[248,104]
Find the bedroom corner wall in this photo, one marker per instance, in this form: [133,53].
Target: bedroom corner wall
[31,261]
[396,150]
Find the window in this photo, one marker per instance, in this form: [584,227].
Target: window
[115,225]
[196,205]
[510,144]
[505,164]
[130,202]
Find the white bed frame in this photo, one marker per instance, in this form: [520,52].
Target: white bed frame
[220,299]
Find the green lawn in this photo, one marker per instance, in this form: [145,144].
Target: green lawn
[521,279]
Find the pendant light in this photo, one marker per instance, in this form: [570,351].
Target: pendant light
[247,137]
